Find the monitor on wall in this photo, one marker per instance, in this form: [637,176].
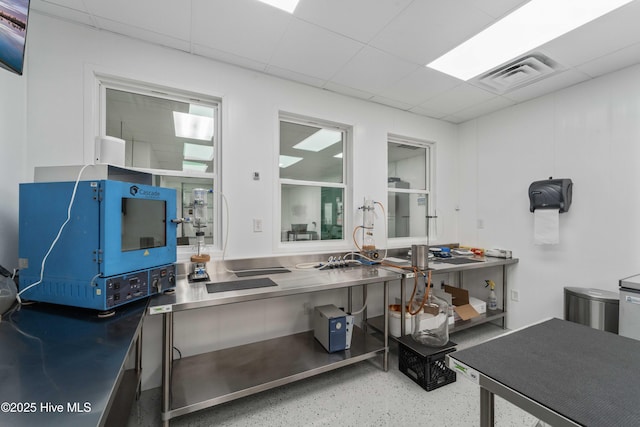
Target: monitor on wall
[13,33]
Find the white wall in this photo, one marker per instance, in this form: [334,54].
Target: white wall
[13,148]
[589,133]
[63,57]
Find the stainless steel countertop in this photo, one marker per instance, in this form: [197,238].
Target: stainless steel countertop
[54,355]
[443,265]
[297,281]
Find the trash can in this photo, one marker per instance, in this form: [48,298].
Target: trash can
[592,307]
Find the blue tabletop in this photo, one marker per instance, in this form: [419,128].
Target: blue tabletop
[60,365]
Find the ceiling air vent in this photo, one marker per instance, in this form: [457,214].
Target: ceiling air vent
[516,74]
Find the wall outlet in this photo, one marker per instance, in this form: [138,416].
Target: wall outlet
[257,225]
[515,295]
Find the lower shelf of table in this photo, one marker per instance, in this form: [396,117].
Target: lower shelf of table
[210,379]
[491,315]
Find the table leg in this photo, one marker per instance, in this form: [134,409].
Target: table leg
[364,312]
[167,362]
[504,295]
[139,364]
[385,357]
[403,306]
[486,407]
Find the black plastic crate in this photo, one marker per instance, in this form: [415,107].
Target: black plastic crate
[425,365]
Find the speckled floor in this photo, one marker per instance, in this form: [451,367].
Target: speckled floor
[356,395]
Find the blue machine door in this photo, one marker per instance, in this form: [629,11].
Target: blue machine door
[136,231]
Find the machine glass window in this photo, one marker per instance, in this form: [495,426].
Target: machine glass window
[143,224]
[312,180]
[409,194]
[173,135]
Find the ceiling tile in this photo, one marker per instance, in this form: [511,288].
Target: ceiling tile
[427,29]
[615,61]
[173,22]
[308,49]
[349,91]
[142,34]
[227,57]
[457,99]
[609,33]
[246,28]
[454,119]
[358,19]
[392,103]
[419,86]
[429,112]
[542,87]
[73,11]
[485,107]
[372,70]
[498,8]
[296,77]
[70,4]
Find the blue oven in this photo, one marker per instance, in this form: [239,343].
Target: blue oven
[119,244]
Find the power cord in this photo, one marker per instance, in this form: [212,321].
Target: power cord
[44,259]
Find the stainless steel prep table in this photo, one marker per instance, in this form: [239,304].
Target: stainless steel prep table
[65,366]
[197,382]
[564,373]
[439,266]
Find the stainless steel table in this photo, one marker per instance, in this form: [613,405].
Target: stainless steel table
[66,367]
[455,265]
[564,373]
[197,382]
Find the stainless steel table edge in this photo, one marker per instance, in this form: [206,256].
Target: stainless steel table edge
[196,296]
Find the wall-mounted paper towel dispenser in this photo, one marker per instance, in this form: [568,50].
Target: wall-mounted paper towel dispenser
[551,194]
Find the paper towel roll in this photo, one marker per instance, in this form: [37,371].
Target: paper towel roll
[546,227]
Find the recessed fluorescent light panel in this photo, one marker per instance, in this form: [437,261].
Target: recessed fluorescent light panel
[286,5]
[319,140]
[286,161]
[193,126]
[188,166]
[197,152]
[532,25]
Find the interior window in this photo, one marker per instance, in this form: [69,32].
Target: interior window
[312,180]
[174,136]
[409,194]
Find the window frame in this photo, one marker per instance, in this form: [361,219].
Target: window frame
[347,132]
[429,191]
[102,82]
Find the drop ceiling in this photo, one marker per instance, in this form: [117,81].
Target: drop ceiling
[372,50]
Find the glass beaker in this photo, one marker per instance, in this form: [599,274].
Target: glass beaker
[431,325]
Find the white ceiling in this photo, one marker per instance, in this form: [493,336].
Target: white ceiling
[373,50]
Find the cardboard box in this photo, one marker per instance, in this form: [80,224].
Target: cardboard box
[461,305]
